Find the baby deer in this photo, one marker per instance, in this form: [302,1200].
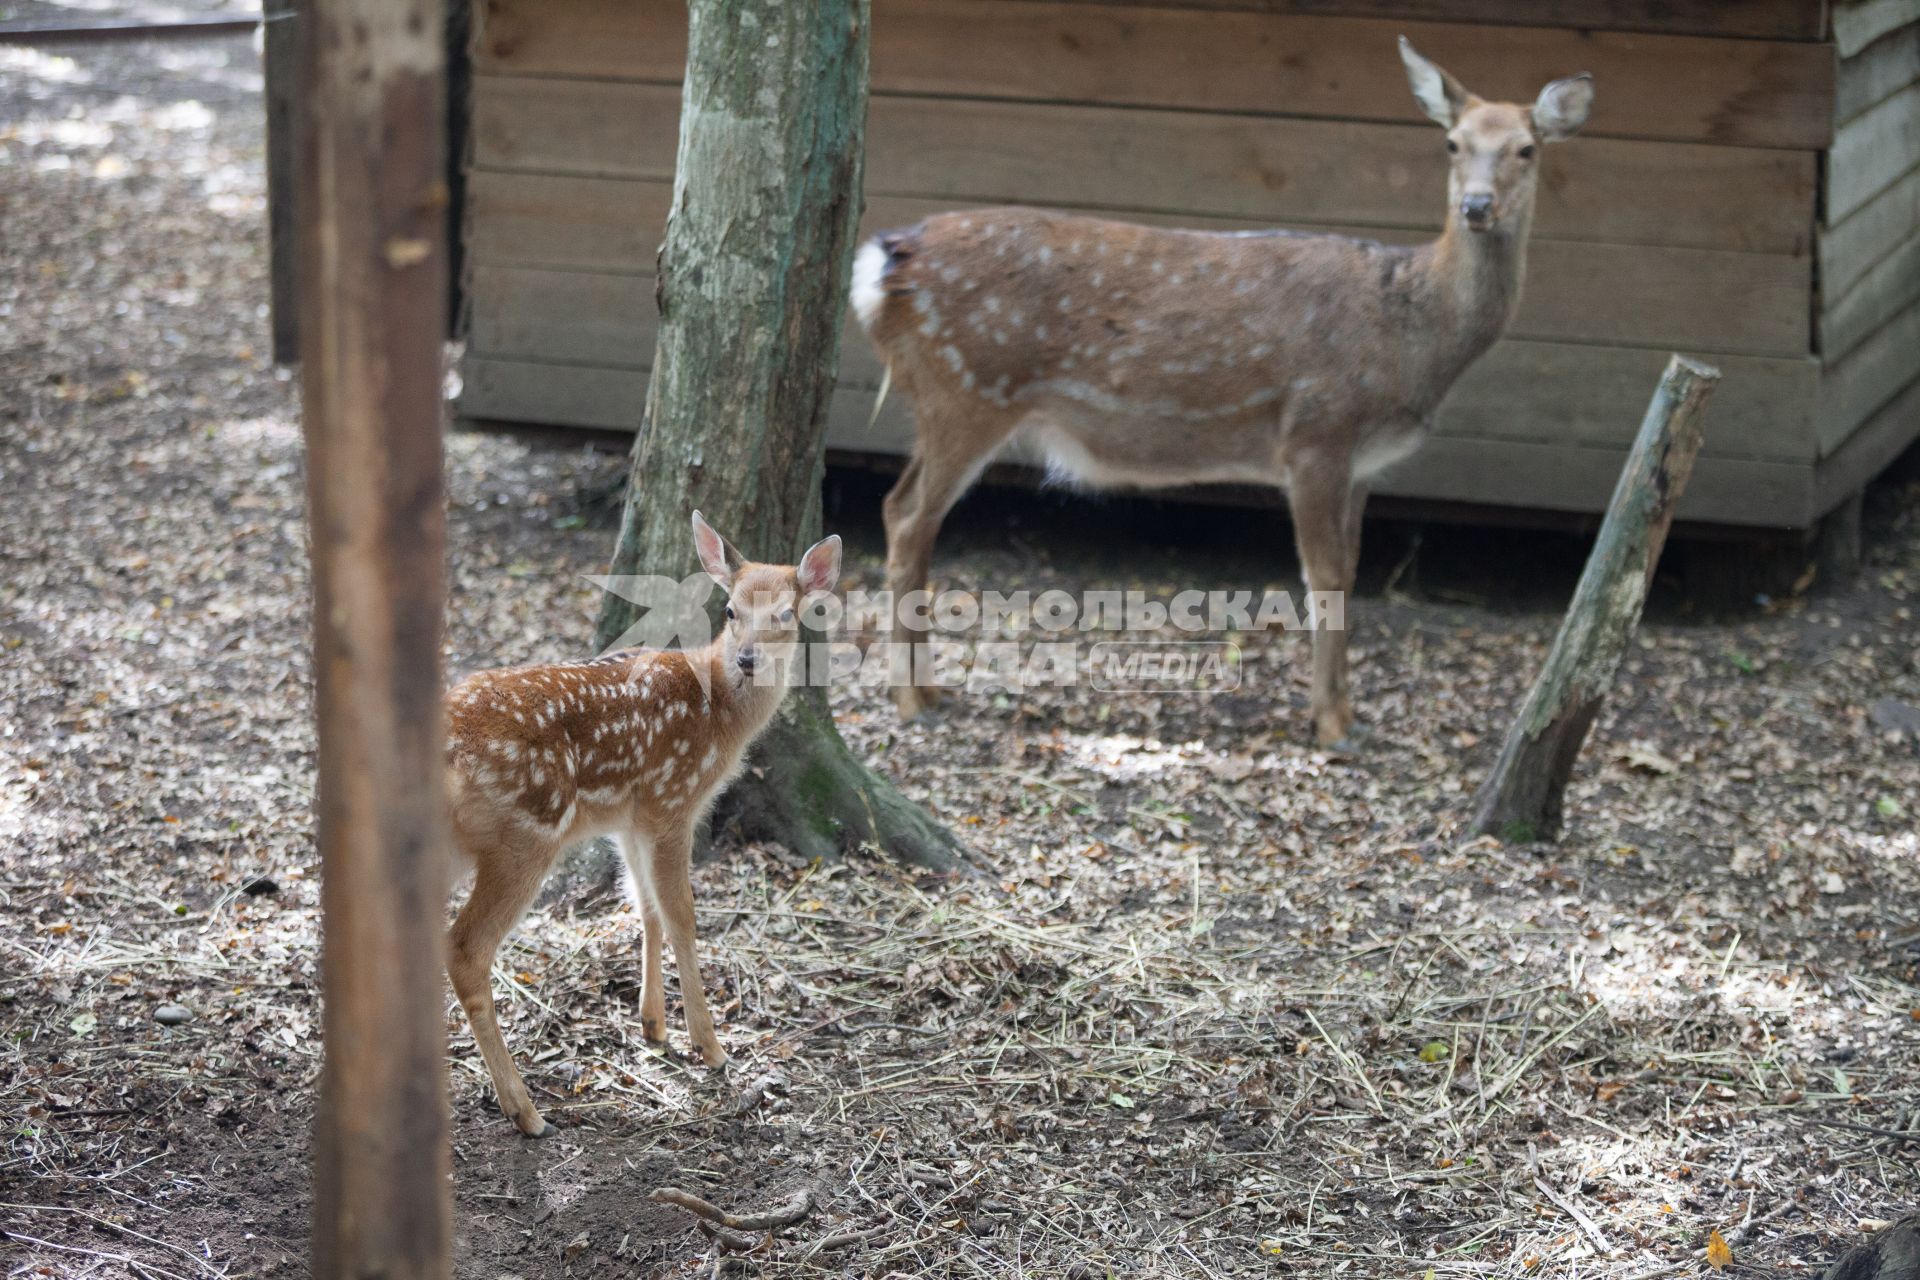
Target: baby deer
[635,743]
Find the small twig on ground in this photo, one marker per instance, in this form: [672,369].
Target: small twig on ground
[125,1231]
[1580,1219]
[735,1241]
[840,1240]
[1898,1135]
[784,1214]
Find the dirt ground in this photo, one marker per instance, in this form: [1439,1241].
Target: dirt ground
[1228,1005]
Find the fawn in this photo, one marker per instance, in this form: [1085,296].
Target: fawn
[636,743]
[1137,356]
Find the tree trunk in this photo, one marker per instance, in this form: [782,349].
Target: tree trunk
[752,291]
[1522,798]
[372,255]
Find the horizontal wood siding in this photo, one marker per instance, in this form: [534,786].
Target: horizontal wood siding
[1576,291]
[1869,249]
[1760,19]
[1866,453]
[1550,392]
[1871,151]
[1855,387]
[1878,71]
[1683,219]
[1560,476]
[1279,170]
[1858,23]
[1850,248]
[1746,92]
[1886,290]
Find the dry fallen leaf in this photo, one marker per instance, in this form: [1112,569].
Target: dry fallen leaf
[1718,1254]
[1642,756]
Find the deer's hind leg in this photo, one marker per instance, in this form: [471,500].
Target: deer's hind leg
[1326,526]
[508,872]
[956,436]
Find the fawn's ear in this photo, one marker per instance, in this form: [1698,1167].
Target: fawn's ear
[1441,96]
[1562,108]
[717,555]
[820,568]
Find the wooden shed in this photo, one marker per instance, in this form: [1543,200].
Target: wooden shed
[1748,191]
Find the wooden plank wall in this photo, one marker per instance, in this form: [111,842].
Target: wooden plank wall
[1868,250]
[1683,219]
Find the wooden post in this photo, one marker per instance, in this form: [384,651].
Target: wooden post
[281,64]
[1521,799]
[373,312]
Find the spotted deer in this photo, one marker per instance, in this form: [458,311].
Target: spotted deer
[636,744]
[1142,357]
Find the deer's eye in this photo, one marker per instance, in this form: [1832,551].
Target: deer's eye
[1526,152]
[786,615]
[729,613]
[1453,148]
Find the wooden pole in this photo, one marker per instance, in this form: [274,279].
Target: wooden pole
[1522,798]
[281,63]
[373,312]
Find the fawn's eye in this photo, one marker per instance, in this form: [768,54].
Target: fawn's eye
[786,615]
[1526,152]
[729,613]
[1453,148]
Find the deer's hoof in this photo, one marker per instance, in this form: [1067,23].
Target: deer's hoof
[654,1030]
[715,1058]
[914,703]
[538,1128]
[1335,730]
[1354,741]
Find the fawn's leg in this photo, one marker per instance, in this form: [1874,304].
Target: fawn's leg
[638,854]
[672,856]
[1318,493]
[950,450]
[505,881]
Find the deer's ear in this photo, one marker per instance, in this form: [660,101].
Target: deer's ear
[1441,96]
[717,555]
[820,568]
[1562,108]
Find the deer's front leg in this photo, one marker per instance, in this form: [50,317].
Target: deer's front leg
[636,851]
[1320,494]
[672,857]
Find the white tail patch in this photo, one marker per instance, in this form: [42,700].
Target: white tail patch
[869,267]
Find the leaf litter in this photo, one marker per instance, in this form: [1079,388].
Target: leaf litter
[1229,1005]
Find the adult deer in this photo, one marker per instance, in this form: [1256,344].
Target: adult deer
[1136,356]
[635,743]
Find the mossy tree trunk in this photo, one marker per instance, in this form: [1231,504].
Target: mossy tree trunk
[752,292]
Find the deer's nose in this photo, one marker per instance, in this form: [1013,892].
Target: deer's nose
[748,658]
[1477,209]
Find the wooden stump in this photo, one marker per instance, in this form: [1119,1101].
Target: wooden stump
[1522,798]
